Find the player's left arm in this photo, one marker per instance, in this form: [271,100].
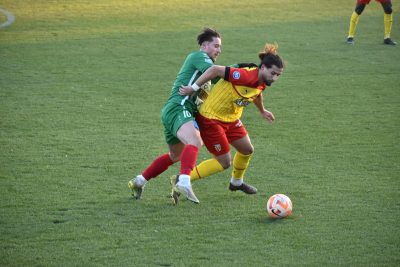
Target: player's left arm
[259,103]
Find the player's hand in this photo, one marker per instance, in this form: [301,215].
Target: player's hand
[186,90]
[269,116]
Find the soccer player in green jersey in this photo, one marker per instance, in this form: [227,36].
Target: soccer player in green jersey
[180,128]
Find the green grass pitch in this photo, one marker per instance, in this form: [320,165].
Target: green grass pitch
[82,84]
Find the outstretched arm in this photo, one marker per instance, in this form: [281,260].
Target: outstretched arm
[259,103]
[211,73]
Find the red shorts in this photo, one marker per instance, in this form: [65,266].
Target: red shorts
[217,135]
[367,1]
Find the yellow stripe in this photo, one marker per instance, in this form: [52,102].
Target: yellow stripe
[223,102]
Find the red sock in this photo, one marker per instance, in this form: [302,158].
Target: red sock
[158,166]
[188,158]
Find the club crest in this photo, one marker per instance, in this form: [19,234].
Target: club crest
[217,147]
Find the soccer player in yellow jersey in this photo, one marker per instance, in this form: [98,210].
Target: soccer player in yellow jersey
[219,115]
[387,20]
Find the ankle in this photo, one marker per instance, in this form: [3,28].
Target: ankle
[236,182]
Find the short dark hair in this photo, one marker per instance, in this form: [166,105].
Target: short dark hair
[207,35]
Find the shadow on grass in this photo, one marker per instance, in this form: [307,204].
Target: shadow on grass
[269,220]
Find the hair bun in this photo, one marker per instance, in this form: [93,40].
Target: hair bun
[269,49]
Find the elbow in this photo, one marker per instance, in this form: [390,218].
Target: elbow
[217,71]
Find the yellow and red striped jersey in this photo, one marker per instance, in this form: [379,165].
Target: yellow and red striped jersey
[230,95]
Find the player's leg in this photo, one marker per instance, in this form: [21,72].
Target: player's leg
[241,160]
[158,166]
[206,168]
[355,16]
[214,138]
[161,163]
[240,140]
[387,21]
[179,121]
[169,116]
[188,134]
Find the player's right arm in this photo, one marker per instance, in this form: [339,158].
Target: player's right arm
[266,114]
[211,73]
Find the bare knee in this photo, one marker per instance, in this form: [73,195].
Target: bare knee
[174,156]
[175,151]
[196,142]
[225,160]
[247,151]
[226,164]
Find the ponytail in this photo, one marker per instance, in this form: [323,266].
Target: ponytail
[269,56]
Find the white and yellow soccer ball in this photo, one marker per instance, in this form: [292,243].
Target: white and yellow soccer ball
[279,206]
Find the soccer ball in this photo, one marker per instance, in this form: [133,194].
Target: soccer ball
[279,206]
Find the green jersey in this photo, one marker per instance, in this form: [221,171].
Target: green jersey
[195,64]
[181,109]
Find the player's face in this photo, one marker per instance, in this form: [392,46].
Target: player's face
[213,48]
[270,75]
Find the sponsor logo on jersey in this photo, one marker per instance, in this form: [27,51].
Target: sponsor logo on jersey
[236,75]
[241,102]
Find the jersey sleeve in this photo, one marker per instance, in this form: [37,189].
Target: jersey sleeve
[240,76]
[201,61]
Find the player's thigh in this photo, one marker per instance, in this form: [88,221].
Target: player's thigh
[213,135]
[243,145]
[239,138]
[189,133]
[173,116]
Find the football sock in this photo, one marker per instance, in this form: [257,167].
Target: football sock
[188,159]
[240,163]
[140,180]
[184,180]
[387,21]
[236,182]
[205,169]
[353,24]
[158,166]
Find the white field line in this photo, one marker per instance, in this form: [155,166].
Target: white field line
[10,18]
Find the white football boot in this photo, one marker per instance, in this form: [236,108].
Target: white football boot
[183,186]
[137,186]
